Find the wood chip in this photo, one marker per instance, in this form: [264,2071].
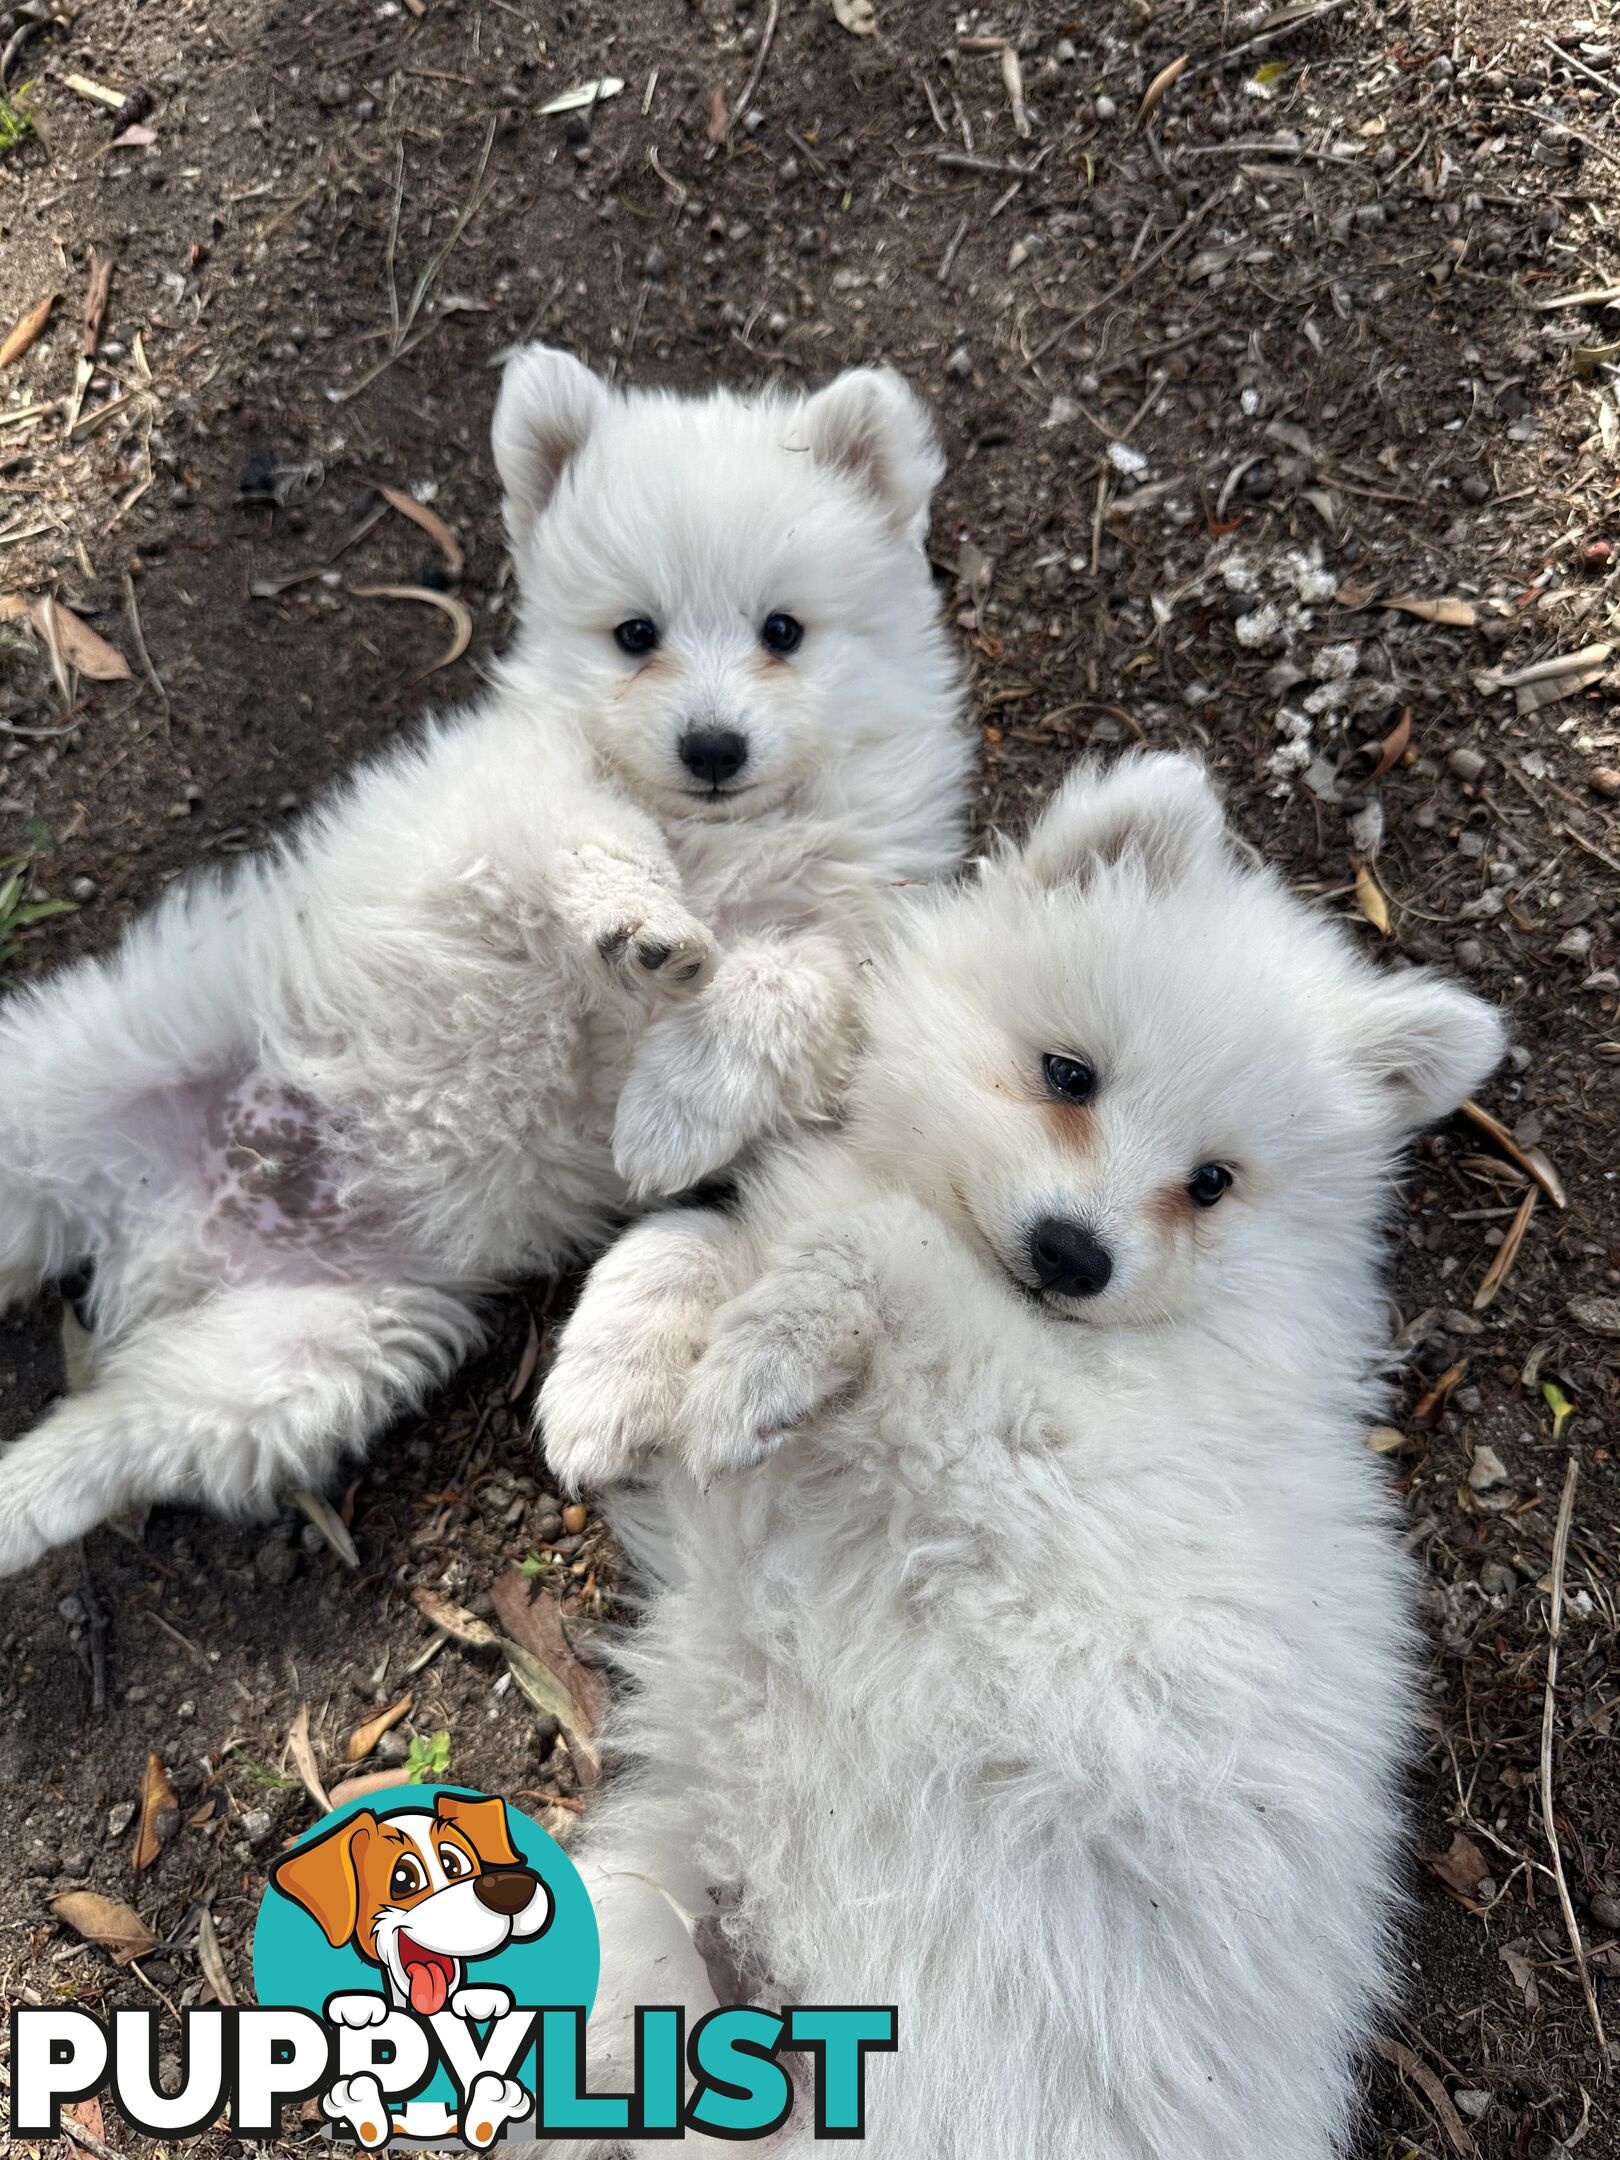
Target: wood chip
[158,1798]
[27,330]
[363,1740]
[458,612]
[95,313]
[303,1756]
[1386,1440]
[1153,95]
[72,643]
[431,523]
[1507,1252]
[460,1625]
[110,1923]
[1456,612]
[98,93]
[583,94]
[1370,899]
[1530,1160]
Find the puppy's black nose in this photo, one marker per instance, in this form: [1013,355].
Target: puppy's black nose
[714,755]
[505,1890]
[1067,1258]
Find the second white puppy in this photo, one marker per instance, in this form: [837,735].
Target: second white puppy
[1046,1669]
[302,1117]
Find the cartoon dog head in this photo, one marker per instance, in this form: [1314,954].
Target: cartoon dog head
[419,1891]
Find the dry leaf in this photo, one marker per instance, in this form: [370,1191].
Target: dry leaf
[134,137]
[118,1928]
[1461,1867]
[719,121]
[545,1668]
[431,523]
[356,1788]
[363,1740]
[1507,1252]
[303,1756]
[460,1625]
[1394,745]
[858,17]
[1432,1403]
[458,612]
[1355,595]
[1457,612]
[330,1524]
[212,1960]
[27,330]
[583,94]
[1386,1440]
[158,1797]
[1153,95]
[1544,682]
[1530,1160]
[73,640]
[1370,899]
[1515,1956]
[87,2114]
[1487,1470]
[1419,2074]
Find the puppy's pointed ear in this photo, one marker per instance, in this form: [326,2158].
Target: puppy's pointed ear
[1425,1043]
[1160,808]
[546,410]
[483,1824]
[324,1876]
[871,424]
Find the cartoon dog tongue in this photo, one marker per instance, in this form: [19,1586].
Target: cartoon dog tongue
[429,1985]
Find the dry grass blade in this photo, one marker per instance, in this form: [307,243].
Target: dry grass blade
[1418,2073]
[363,1740]
[334,1531]
[1456,612]
[158,1798]
[1012,76]
[1370,899]
[460,1625]
[27,330]
[431,523]
[1153,95]
[458,613]
[1507,1252]
[212,1961]
[303,1756]
[116,1927]
[1530,1160]
[1549,1717]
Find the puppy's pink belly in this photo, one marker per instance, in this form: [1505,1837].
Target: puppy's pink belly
[272,1180]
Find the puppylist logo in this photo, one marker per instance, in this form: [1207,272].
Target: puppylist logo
[425,1962]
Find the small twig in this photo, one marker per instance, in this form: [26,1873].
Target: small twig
[948,259]
[766,38]
[87,2138]
[1549,1712]
[1273,37]
[1194,218]
[139,635]
[1579,66]
[95,1619]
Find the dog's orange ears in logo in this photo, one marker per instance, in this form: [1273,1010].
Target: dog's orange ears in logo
[324,1877]
[483,1824]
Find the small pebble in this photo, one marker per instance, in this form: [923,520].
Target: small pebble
[72,1610]
[83,888]
[960,364]
[1605,1911]
[1469,955]
[1468,764]
[256,1825]
[1105,107]
[1471,2103]
[392,1747]
[119,1817]
[1606,780]
[574,1519]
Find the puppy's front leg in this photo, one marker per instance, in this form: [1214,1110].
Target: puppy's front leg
[802,1335]
[615,1386]
[765,1047]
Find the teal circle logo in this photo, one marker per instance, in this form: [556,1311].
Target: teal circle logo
[433,1900]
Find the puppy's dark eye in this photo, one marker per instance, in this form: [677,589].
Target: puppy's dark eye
[637,637]
[782,634]
[1068,1077]
[1207,1183]
[406,1879]
[454,1862]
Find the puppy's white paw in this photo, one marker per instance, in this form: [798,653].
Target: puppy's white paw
[661,947]
[599,1417]
[358,2101]
[26,1506]
[665,1141]
[750,1391]
[357,2011]
[491,2101]
[480,2003]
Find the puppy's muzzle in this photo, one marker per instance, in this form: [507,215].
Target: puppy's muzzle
[505,1890]
[1067,1258]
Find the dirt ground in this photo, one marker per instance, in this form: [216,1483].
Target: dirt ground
[1235,391]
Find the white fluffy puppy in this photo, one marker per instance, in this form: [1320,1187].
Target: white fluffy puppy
[1045,1670]
[303,1116]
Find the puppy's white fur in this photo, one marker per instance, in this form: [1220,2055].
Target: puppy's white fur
[303,1116]
[1048,1673]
